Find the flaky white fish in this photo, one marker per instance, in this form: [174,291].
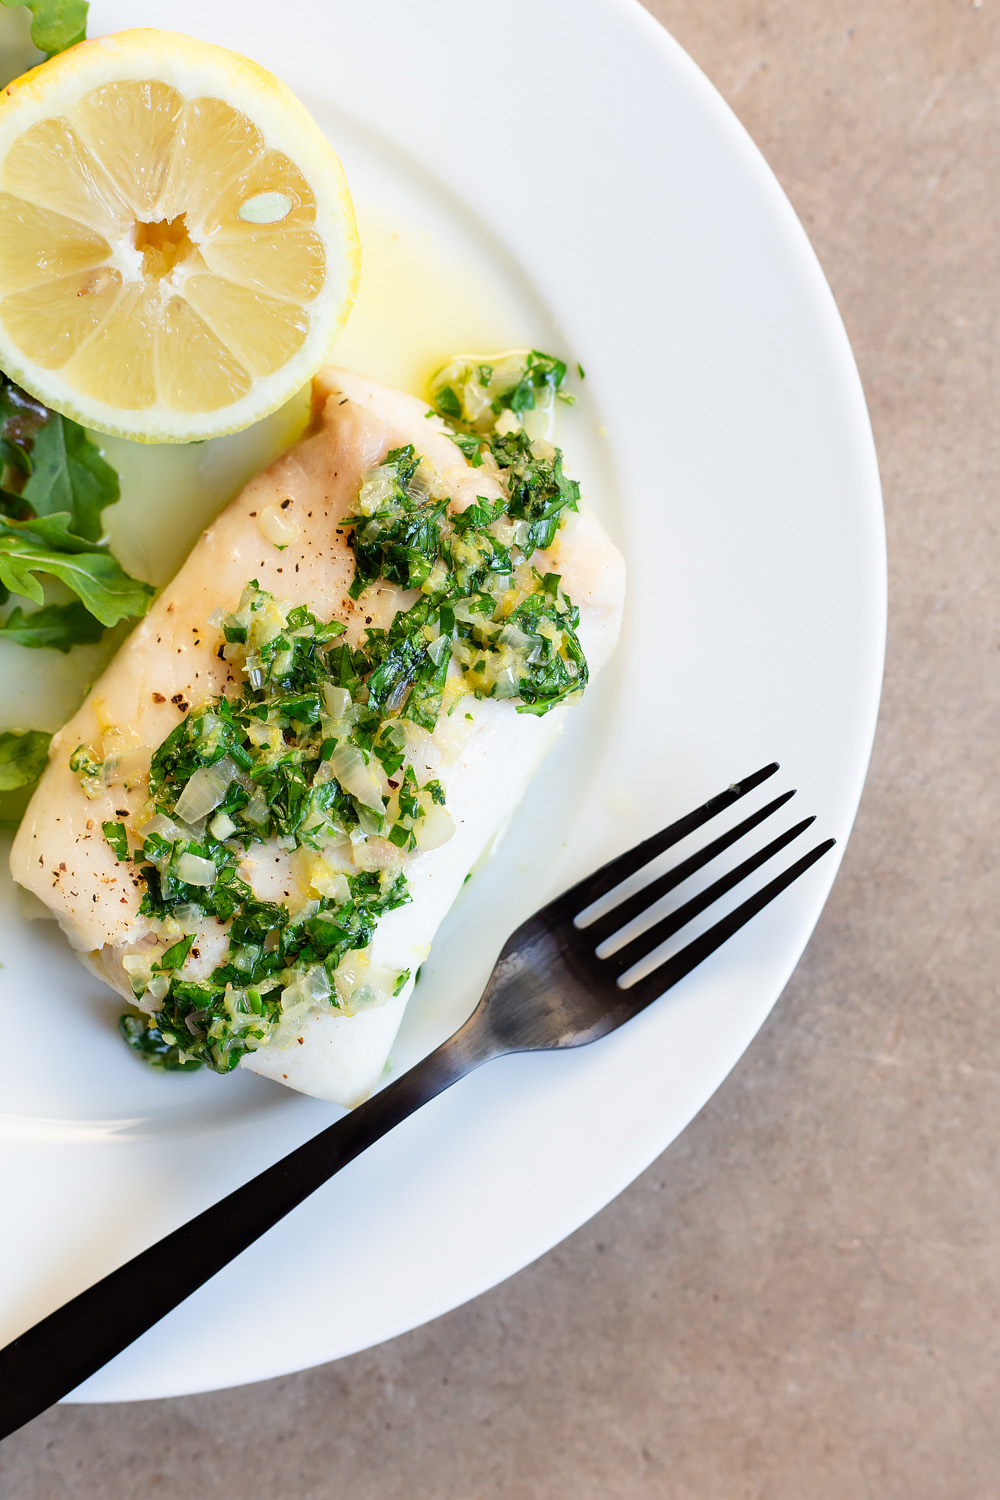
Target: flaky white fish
[283,530]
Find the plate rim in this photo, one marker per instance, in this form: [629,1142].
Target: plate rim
[652,33]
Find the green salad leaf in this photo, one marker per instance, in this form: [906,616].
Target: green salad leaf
[52,465]
[101,584]
[55,486]
[23,754]
[58,626]
[55,24]
[69,474]
[49,531]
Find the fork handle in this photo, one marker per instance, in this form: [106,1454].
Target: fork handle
[56,1355]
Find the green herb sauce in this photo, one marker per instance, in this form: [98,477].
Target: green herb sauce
[311,751]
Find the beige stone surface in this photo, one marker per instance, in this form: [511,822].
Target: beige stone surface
[801,1299]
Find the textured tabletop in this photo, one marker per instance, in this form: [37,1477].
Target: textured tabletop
[801,1299]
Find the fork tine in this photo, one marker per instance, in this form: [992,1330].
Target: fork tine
[645,942]
[587,891]
[619,916]
[667,974]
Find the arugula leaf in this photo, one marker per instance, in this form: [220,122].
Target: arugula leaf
[58,626]
[22,757]
[50,531]
[55,24]
[20,418]
[69,474]
[52,526]
[102,584]
[12,453]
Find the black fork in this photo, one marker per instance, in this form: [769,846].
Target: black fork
[550,988]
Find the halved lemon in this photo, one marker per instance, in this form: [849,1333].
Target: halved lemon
[178,249]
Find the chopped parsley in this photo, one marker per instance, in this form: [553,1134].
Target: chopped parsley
[153,1047]
[397,535]
[508,627]
[474,396]
[117,838]
[300,755]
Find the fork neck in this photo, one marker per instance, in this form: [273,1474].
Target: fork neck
[472,1044]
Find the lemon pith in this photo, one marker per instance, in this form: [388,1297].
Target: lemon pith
[177,243]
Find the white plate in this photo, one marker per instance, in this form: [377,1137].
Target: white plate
[578,170]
